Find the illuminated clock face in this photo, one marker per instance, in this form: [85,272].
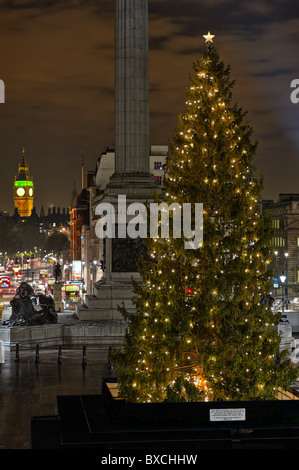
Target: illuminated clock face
[30,192]
[20,191]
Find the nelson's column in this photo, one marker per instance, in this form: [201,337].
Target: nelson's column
[132,149]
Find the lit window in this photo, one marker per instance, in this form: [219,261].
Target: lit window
[158,180]
[278,241]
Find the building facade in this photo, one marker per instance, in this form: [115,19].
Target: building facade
[23,189]
[285,221]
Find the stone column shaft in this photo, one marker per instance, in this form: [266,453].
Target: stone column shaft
[132,141]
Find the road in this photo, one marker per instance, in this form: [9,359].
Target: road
[30,274]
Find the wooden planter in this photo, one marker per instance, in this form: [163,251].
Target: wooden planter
[216,415]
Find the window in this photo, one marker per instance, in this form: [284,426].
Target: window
[278,241]
[157,166]
[158,180]
[275,223]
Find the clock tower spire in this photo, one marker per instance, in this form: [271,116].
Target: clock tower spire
[23,189]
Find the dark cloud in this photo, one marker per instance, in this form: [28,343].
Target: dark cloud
[57,61]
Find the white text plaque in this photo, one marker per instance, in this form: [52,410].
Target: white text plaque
[227,414]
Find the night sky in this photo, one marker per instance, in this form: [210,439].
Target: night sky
[57,62]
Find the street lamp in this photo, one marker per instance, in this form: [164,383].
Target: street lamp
[275,273]
[287,286]
[94,271]
[282,280]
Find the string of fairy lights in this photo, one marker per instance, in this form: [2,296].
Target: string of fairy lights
[196,155]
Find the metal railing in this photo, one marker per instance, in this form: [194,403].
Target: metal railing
[37,351]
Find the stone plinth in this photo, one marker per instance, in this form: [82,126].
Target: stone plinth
[100,333]
[29,336]
[104,303]
[67,335]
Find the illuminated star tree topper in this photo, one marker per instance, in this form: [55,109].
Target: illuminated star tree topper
[209,37]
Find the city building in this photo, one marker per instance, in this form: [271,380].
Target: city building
[285,221]
[23,189]
[79,216]
[106,163]
[57,219]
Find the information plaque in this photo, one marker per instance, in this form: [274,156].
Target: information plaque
[228,414]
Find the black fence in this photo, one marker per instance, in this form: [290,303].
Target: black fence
[21,352]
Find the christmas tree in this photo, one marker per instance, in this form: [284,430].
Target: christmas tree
[202,330]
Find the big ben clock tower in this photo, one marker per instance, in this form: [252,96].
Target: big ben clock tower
[23,189]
